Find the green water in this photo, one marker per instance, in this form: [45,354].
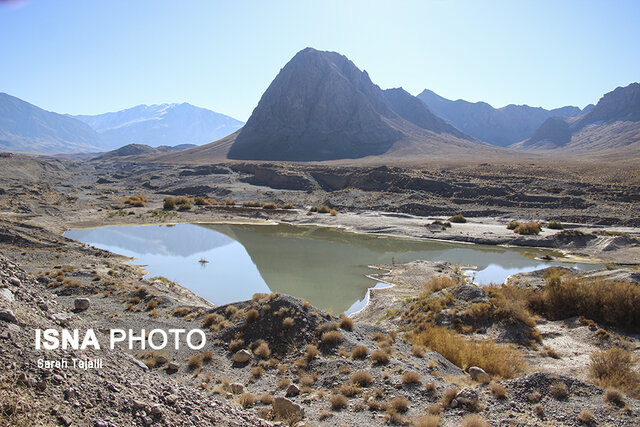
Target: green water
[326,266]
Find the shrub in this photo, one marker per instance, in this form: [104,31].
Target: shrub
[380,357]
[252,204]
[350,390]
[438,283]
[534,396]
[346,323]
[361,378]
[493,358]
[538,410]
[513,225]
[338,402]
[615,368]
[528,228]
[246,400]
[498,390]
[427,421]
[448,396]
[324,209]
[399,403]
[252,315]
[136,201]
[411,377]
[194,361]
[418,350]
[614,396]
[331,338]
[207,356]
[287,322]
[555,225]
[229,202]
[458,219]
[257,371]
[474,420]
[262,351]
[283,383]
[333,212]
[288,206]
[181,311]
[168,203]
[236,345]
[585,416]
[360,352]
[269,206]
[559,390]
[311,352]
[200,201]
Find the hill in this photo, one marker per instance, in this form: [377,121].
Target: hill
[29,129]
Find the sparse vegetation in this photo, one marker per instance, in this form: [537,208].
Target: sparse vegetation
[555,225]
[474,420]
[528,228]
[559,390]
[361,378]
[136,201]
[458,219]
[585,416]
[614,396]
[513,225]
[346,323]
[181,311]
[331,338]
[360,352]
[252,315]
[411,377]
[498,390]
[380,357]
[262,351]
[338,402]
[399,403]
[614,368]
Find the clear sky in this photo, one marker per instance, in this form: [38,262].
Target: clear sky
[90,57]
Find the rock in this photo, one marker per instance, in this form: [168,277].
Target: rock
[63,318]
[242,356]
[7,294]
[43,306]
[140,364]
[15,281]
[173,366]
[237,388]
[156,409]
[138,404]
[171,399]
[468,398]
[161,360]
[100,423]
[284,408]
[81,303]
[8,316]
[65,420]
[479,375]
[292,390]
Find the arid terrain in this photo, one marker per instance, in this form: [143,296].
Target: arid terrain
[406,358]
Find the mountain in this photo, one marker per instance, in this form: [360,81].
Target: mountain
[141,149]
[30,129]
[497,126]
[164,124]
[322,107]
[610,128]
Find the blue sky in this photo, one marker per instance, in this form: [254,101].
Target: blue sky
[89,57]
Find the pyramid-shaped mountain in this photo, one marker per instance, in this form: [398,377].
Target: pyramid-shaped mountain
[322,107]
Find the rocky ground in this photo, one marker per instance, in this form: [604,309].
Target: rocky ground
[275,346]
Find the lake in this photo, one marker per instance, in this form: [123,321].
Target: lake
[326,266]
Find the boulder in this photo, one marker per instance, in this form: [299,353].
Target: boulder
[292,390]
[81,303]
[479,375]
[284,408]
[8,316]
[468,398]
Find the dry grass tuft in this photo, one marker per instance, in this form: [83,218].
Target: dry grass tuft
[181,311]
[538,409]
[585,416]
[418,350]
[474,420]
[360,352]
[246,400]
[338,402]
[288,322]
[615,368]
[559,390]
[528,228]
[614,396]
[380,357]
[458,219]
[252,315]
[448,396]
[195,361]
[207,356]
[346,323]
[498,390]
[493,358]
[262,351]
[236,345]
[361,378]
[427,421]
[331,338]
[410,377]
[400,404]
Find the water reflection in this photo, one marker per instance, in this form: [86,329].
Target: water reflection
[323,265]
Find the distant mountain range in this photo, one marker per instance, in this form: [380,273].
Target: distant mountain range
[497,126]
[322,107]
[27,128]
[612,125]
[164,124]
[30,129]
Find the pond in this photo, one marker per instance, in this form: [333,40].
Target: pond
[325,266]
